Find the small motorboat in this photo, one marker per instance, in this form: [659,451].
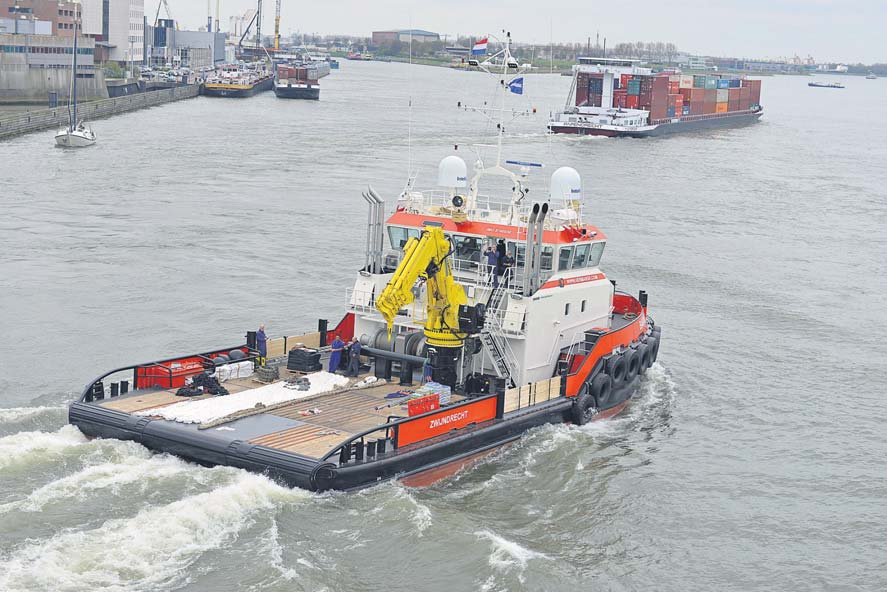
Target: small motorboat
[825,84]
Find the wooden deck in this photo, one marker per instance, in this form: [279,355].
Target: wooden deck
[321,422]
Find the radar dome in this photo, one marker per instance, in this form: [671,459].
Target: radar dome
[452,172]
[566,184]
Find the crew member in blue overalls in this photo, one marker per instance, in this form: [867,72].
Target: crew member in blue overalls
[336,348]
[262,344]
[354,360]
[492,265]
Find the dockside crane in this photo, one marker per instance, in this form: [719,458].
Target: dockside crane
[165,5]
[277,26]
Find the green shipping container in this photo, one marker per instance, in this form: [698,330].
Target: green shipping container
[699,82]
[711,82]
[634,87]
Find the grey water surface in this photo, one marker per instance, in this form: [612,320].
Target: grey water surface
[753,457]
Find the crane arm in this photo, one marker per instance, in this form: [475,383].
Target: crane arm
[425,259]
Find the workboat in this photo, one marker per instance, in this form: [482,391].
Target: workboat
[871,76]
[236,80]
[77,134]
[621,98]
[475,317]
[825,84]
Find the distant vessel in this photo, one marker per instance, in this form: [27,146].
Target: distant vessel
[619,98]
[825,84]
[357,56]
[77,134]
[237,80]
[871,76]
[296,82]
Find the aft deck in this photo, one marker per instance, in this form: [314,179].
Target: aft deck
[310,427]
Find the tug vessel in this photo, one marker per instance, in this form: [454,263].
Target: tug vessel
[540,336]
[620,98]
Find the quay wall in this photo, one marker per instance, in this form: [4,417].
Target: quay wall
[23,123]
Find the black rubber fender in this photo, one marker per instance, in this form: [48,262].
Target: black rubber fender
[633,364]
[601,389]
[583,409]
[236,354]
[643,354]
[653,344]
[617,369]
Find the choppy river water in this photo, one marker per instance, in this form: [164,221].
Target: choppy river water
[752,459]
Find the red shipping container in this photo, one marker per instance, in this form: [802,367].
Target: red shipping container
[697,95]
[697,108]
[711,96]
[679,101]
[734,94]
[733,106]
[743,104]
[623,80]
[631,101]
[686,93]
[711,107]
[674,88]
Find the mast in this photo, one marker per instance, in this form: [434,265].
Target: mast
[74,75]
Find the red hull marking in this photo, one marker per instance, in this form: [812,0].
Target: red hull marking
[429,426]
[496,230]
[611,411]
[432,476]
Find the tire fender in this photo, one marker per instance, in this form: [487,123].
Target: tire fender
[601,390]
[617,369]
[580,412]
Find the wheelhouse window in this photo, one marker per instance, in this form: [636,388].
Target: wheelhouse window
[399,236]
[467,248]
[581,256]
[597,249]
[547,257]
[564,259]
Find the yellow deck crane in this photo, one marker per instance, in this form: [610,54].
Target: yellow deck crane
[449,318]
[277,25]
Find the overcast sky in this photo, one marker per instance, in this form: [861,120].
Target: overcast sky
[829,30]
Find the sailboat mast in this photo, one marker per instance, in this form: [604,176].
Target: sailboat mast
[74,75]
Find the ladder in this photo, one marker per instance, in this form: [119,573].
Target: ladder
[494,340]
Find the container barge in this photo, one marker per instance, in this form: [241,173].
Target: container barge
[296,82]
[480,315]
[619,98]
[238,81]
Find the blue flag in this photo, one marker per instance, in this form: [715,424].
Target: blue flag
[517,86]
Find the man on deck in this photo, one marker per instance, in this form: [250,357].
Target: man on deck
[262,344]
[507,264]
[354,360]
[336,348]
[492,263]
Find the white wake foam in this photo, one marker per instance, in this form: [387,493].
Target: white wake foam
[149,551]
[16,414]
[206,410]
[506,554]
[24,446]
[141,468]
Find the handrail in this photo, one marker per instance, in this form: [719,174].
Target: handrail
[89,386]
[388,426]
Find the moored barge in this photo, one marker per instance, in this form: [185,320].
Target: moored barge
[238,82]
[480,316]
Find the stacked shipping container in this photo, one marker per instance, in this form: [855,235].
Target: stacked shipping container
[669,96]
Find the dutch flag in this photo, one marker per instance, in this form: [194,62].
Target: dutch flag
[480,47]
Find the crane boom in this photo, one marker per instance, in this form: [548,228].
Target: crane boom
[277,25]
[425,259]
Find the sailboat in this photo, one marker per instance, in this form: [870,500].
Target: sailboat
[77,134]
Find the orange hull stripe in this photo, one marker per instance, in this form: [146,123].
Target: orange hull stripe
[494,230]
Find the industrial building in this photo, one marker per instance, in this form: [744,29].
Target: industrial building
[404,35]
[191,49]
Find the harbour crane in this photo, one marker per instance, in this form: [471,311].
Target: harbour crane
[165,5]
[277,26]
